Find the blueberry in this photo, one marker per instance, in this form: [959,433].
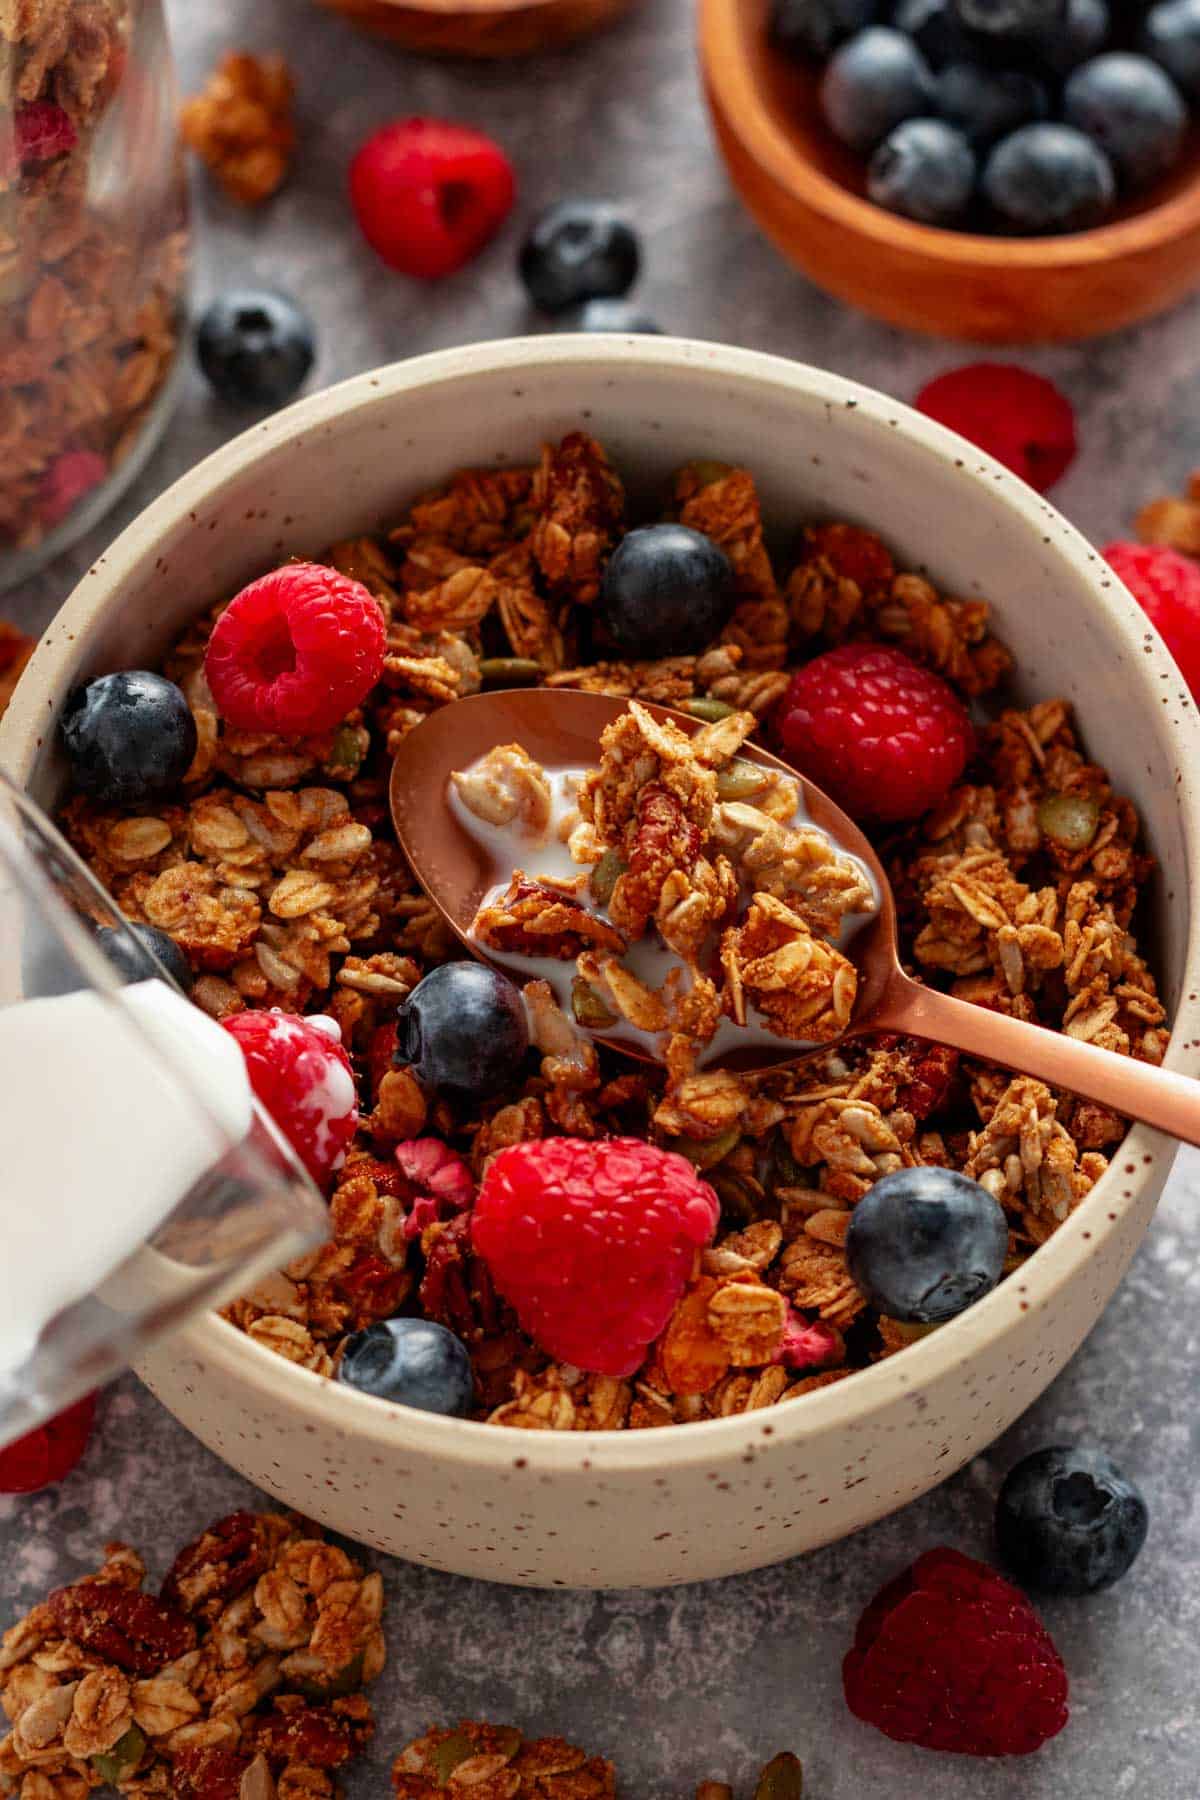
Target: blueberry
[579,250]
[256,347]
[129,737]
[126,951]
[1048,178]
[986,104]
[872,84]
[1080,33]
[463,1027]
[612,315]
[935,31]
[1129,107]
[1009,18]
[1171,35]
[413,1362]
[924,1244]
[925,170]
[1068,1521]
[815,27]
[667,591]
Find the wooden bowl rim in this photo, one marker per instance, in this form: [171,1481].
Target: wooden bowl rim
[729,77]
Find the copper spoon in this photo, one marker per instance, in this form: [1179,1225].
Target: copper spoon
[561,728]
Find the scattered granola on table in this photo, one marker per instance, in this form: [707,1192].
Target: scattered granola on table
[89,298]
[498,1760]
[241,125]
[275,869]
[240,1680]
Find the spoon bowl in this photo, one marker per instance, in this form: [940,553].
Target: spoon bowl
[559,727]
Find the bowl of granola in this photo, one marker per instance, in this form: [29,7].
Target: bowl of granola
[778,1408]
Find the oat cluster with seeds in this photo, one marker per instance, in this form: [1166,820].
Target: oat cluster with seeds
[276,870]
[240,1680]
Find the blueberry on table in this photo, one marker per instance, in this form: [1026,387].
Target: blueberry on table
[815,27]
[926,1243]
[667,591]
[1080,33]
[1009,18]
[612,315]
[127,950]
[1048,178]
[1170,35]
[129,737]
[256,347]
[463,1027]
[924,169]
[1068,1521]
[579,250]
[1132,109]
[413,1362]
[872,84]
[986,104]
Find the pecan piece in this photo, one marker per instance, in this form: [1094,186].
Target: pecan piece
[219,1565]
[135,1631]
[324,1737]
[532,919]
[206,1774]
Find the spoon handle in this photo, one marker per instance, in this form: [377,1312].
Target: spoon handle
[1137,1090]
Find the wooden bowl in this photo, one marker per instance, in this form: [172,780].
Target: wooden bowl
[487,28]
[807,192]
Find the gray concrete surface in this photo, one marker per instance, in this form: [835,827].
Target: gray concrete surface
[707,1681]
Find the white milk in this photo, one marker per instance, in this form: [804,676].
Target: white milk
[547,856]
[102,1139]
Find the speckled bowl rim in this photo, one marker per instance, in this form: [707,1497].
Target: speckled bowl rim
[985,482]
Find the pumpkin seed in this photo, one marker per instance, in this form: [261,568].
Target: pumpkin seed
[604,877]
[707,469]
[782,1779]
[458,1748]
[346,752]
[706,1153]
[509,671]
[741,780]
[1070,819]
[346,1681]
[115,1764]
[710,711]
[588,1006]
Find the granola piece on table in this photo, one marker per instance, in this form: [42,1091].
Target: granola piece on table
[497,1760]
[241,125]
[1173,520]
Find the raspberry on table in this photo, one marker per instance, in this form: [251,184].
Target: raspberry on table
[302,1076]
[884,737]
[1166,586]
[592,1244]
[1018,417]
[49,1453]
[951,1656]
[428,194]
[295,651]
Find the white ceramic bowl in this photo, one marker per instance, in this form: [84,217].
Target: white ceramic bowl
[655,1507]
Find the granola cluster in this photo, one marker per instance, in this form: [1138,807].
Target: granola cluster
[241,125]
[89,298]
[276,870]
[240,1680]
[669,832]
[499,1762]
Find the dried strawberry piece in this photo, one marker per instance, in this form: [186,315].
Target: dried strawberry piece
[386,1177]
[67,481]
[324,1737]
[1014,415]
[934,1072]
[809,1346]
[50,1452]
[852,553]
[443,1182]
[133,1630]
[218,1565]
[199,1774]
[43,131]
[951,1656]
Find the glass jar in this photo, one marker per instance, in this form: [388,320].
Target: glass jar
[93,262]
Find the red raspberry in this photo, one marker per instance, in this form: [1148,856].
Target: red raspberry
[953,1657]
[1167,588]
[428,194]
[50,1452]
[1016,416]
[302,1076]
[592,1243]
[885,738]
[295,651]
[68,479]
